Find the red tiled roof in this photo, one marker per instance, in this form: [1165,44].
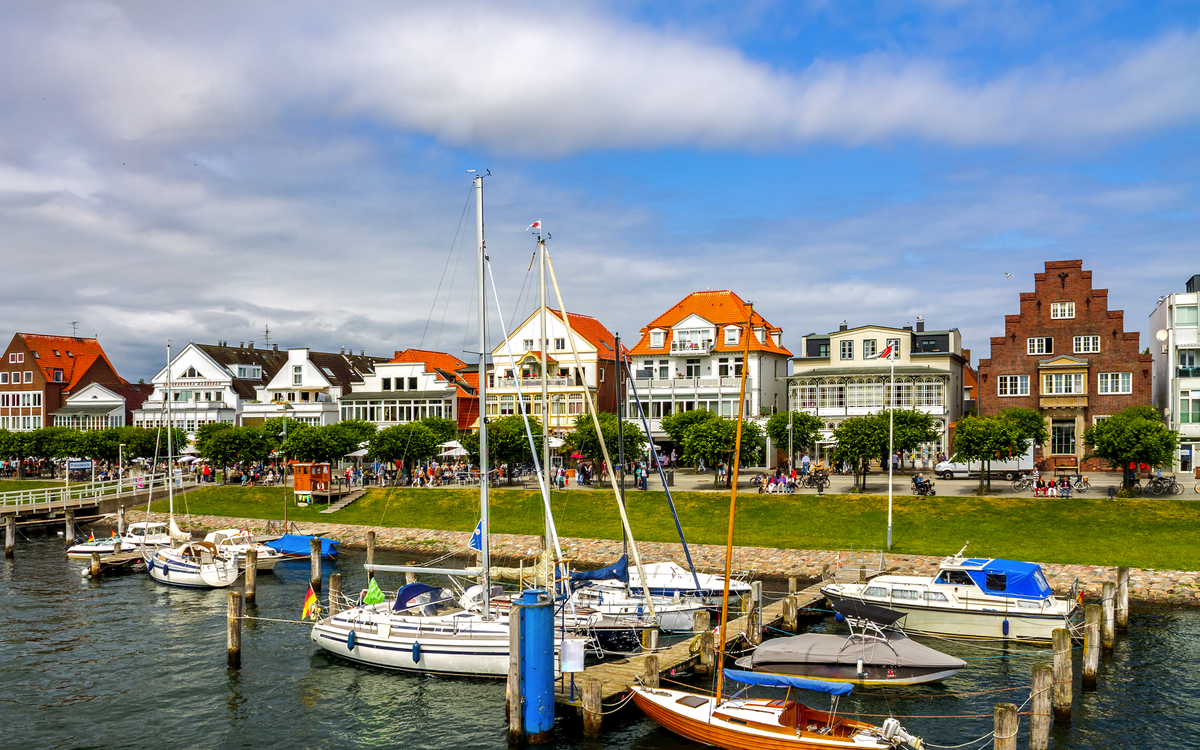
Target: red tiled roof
[83,354]
[721,308]
[433,361]
[594,332]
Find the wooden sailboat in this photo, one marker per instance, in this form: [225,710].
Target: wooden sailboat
[741,723]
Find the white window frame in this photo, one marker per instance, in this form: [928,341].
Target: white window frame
[1036,345]
[1087,344]
[560,344]
[29,376]
[656,340]
[731,335]
[527,345]
[1008,386]
[1062,310]
[1062,384]
[297,374]
[1123,381]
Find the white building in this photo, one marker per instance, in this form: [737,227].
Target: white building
[413,385]
[308,387]
[1176,383]
[98,407]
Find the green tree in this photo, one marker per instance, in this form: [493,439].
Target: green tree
[360,428]
[582,437]
[325,444]
[444,430]
[858,440]
[206,432]
[13,448]
[985,439]
[910,430]
[714,440]
[1030,423]
[273,432]
[507,441]
[676,425]
[149,442]
[805,429]
[409,443]
[1133,436]
[237,445]
[101,445]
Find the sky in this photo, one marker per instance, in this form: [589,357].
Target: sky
[202,171]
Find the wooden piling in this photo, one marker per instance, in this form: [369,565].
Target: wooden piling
[335,593]
[1122,614]
[791,620]
[410,577]
[514,699]
[1064,678]
[650,671]
[121,520]
[754,621]
[1091,645]
[95,565]
[1007,723]
[708,655]
[793,585]
[69,527]
[233,629]
[701,621]
[593,706]
[117,547]
[10,535]
[314,555]
[251,574]
[1108,602]
[370,555]
[1040,712]
[650,639]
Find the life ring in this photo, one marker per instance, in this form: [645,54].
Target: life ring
[320,486]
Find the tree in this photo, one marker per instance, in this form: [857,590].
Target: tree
[101,445]
[714,440]
[360,428]
[805,429]
[206,432]
[676,425]
[910,430]
[1029,422]
[13,448]
[507,441]
[237,445]
[1133,436]
[582,438]
[149,442]
[444,430]
[273,431]
[325,444]
[403,442]
[858,440]
[984,439]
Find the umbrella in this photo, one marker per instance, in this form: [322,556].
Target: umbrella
[576,455]
[357,454]
[187,459]
[454,452]
[450,444]
[555,442]
[190,449]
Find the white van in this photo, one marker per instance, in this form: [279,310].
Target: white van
[1009,469]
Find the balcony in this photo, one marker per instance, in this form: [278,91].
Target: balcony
[531,384]
[1187,372]
[691,347]
[1074,401]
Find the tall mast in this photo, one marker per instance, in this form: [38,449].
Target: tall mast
[170,450]
[485,545]
[545,386]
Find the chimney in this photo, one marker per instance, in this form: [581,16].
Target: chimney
[920,324]
[250,345]
[842,326]
[907,326]
[241,345]
[362,352]
[275,347]
[1193,284]
[342,350]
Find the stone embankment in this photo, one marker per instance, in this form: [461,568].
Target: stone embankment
[1152,586]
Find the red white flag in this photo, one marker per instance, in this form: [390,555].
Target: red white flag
[535,225]
[885,354]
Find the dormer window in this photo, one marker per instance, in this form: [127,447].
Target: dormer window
[191,373]
[249,372]
[387,384]
[656,339]
[731,336]
[527,344]
[58,376]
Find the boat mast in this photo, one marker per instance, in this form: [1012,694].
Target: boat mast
[541,251]
[737,453]
[485,546]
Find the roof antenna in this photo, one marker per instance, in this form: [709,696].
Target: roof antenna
[74,328]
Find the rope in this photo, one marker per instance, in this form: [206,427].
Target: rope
[272,619]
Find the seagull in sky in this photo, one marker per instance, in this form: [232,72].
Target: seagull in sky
[1008,275]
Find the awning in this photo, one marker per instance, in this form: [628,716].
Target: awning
[767,679]
[84,410]
[453,453]
[450,444]
[357,454]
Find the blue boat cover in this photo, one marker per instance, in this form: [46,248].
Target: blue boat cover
[1020,580]
[784,680]
[295,545]
[410,591]
[618,571]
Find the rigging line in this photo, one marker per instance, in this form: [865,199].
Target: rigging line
[457,231]
[450,292]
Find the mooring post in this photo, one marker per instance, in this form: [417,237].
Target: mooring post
[95,565]
[233,629]
[370,555]
[708,654]
[1064,678]
[69,527]
[314,556]
[1040,712]
[1122,598]
[593,706]
[791,618]
[1091,645]
[121,520]
[701,621]
[410,577]
[10,535]
[754,621]
[335,593]
[793,585]
[650,639]
[1006,726]
[514,700]
[1108,603]
[650,671]
[251,574]
[117,546]
[537,665]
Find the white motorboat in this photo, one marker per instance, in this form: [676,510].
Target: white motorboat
[972,598]
[672,614]
[195,565]
[236,542]
[671,579]
[148,533]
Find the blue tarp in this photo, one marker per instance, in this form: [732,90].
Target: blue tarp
[1020,580]
[411,591]
[618,571]
[784,681]
[295,545]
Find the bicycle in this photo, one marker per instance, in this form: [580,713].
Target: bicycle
[1080,483]
[1165,486]
[1024,484]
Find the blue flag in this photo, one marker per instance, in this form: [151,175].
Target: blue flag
[477,537]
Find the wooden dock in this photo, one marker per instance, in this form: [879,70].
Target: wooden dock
[616,676]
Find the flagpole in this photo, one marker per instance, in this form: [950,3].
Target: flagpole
[891,438]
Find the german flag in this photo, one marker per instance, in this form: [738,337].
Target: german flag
[312,606]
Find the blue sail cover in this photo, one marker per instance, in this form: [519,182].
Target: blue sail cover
[296,545]
[788,681]
[618,571]
[1020,580]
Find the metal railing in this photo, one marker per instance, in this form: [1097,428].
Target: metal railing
[77,493]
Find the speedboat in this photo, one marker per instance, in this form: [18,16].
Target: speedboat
[972,598]
[236,542]
[195,565]
[151,534]
[871,655]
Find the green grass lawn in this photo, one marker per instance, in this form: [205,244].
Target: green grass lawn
[1146,533]
[14,485]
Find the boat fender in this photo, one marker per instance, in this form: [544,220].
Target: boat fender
[860,667]
[351,640]
[416,652]
[166,570]
[1004,626]
[839,617]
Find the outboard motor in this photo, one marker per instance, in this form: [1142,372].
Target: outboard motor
[894,733]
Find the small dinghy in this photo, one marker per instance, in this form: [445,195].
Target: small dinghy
[870,655]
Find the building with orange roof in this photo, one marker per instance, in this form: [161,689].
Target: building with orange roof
[38,373]
[412,385]
[690,357]
[515,373]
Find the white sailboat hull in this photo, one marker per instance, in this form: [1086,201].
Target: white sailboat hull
[167,566]
[672,615]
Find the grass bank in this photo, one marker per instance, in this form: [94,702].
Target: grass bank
[15,485]
[1159,534]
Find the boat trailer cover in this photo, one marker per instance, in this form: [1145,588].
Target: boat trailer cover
[618,571]
[863,611]
[787,681]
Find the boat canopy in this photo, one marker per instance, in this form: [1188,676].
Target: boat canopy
[410,591]
[788,681]
[618,571]
[863,611]
[1020,580]
[297,545]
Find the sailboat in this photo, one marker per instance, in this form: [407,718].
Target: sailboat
[196,565]
[744,723]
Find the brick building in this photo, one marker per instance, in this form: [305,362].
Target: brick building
[1068,356]
[38,373]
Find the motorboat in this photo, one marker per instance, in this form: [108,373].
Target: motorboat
[671,579]
[196,565]
[970,597]
[141,533]
[236,542]
[873,653]
[609,590]
[300,546]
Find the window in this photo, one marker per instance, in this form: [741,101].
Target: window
[412,384]
[869,348]
[560,344]
[935,596]
[894,343]
[17,357]
[1013,385]
[731,336]
[805,397]
[877,591]
[1187,358]
[1041,345]
[574,403]
[956,577]
[847,349]
[58,376]
[28,376]
[737,367]
[191,373]
[831,396]
[601,374]
[1062,437]
[1087,344]
[1060,310]
[1185,315]
[387,384]
[723,367]
[37,399]
[3,378]
[693,368]
[822,350]
[664,369]
[905,594]
[996,582]
[1062,383]
[656,339]
[527,344]
[1189,407]
[1116,382]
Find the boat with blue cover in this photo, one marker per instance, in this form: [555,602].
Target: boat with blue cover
[970,597]
[299,545]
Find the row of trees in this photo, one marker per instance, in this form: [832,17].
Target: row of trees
[51,443]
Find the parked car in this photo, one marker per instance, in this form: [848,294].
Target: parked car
[1009,468]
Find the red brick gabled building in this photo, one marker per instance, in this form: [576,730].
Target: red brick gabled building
[38,372]
[1068,356]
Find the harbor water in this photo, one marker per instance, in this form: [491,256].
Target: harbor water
[126,662]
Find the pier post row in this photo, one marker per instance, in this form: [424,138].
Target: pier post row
[251,574]
[1122,598]
[1091,645]
[1108,624]
[233,629]
[1064,679]
[1040,711]
[1007,724]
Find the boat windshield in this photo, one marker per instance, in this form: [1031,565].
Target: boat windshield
[955,577]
